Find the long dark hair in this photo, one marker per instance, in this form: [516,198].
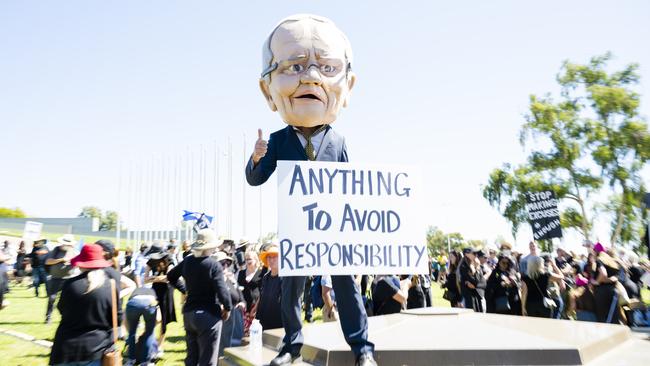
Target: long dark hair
[454,266]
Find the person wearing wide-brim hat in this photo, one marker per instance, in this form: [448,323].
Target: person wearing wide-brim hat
[59,268]
[470,276]
[159,263]
[86,330]
[270,249]
[208,300]
[67,240]
[606,277]
[269,310]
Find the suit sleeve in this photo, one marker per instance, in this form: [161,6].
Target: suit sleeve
[260,173]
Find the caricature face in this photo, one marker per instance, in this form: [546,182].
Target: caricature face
[312,81]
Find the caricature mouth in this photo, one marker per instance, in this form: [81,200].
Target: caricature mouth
[310,96]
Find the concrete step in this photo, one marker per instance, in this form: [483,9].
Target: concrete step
[244,356]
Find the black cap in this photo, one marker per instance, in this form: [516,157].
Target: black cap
[107,245]
[468,250]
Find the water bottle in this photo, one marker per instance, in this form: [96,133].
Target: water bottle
[256,335]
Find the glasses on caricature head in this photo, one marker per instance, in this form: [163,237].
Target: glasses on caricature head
[298,65]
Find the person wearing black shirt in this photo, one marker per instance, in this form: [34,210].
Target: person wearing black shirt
[389,294]
[534,287]
[158,266]
[86,328]
[472,283]
[606,278]
[38,257]
[250,278]
[269,310]
[502,291]
[21,262]
[451,280]
[234,324]
[58,262]
[208,300]
[416,297]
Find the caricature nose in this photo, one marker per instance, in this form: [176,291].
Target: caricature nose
[311,75]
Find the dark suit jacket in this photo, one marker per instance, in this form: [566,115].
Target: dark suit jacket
[285,145]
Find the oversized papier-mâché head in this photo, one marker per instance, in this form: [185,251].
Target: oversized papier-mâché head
[307,70]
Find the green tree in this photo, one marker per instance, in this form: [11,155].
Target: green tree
[617,137]
[437,240]
[90,211]
[109,221]
[506,191]
[11,213]
[595,122]
[562,161]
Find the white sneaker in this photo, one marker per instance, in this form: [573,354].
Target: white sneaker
[129,362]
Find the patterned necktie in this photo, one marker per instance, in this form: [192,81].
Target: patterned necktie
[309,148]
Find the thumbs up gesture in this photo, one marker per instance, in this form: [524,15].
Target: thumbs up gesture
[260,147]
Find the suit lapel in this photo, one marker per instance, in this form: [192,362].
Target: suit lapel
[295,142]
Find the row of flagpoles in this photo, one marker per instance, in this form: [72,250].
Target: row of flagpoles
[156,194]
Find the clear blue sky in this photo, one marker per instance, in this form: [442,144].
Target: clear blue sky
[87,87]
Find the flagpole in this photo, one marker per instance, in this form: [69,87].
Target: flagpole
[230,219]
[204,183]
[217,227]
[147,202]
[244,185]
[119,194]
[214,188]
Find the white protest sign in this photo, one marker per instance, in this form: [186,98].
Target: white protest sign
[342,218]
[32,230]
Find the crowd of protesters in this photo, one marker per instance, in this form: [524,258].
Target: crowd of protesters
[603,285]
[105,295]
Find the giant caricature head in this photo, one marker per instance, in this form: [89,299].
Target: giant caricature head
[306,70]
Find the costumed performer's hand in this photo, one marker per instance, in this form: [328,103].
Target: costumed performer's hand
[260,147]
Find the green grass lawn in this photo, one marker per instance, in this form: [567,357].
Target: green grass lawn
[26,314]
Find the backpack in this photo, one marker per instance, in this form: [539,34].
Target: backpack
[316,293]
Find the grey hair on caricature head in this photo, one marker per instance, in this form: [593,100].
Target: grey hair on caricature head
[267,54]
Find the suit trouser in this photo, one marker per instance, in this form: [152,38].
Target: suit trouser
[202,335]
[354,320]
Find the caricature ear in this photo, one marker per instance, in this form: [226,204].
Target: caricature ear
[351,80]
[264,87]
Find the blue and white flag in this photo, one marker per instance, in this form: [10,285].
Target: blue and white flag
[202,220]
[189,215]
[202,223]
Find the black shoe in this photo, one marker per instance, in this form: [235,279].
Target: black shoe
[366,359]
[284,359]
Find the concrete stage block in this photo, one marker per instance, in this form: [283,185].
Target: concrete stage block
[443,336]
